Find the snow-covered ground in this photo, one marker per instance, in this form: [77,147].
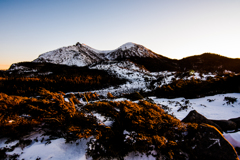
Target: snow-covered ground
[40,148]
[234,139]
[57,149]
[212,107]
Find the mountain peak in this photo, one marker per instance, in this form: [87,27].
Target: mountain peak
[78,44]
[127,45]
[130,50]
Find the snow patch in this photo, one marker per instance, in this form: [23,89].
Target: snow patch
[233,138]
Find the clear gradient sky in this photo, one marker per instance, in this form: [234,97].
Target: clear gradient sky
[172,28]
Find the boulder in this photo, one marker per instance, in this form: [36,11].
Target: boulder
[237,121]
[206,142]
[195,117]
[226,125]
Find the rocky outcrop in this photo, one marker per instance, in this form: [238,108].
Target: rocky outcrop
[208,143]
[225,125]
[195,117]
[237,121]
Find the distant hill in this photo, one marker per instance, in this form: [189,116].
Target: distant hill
[209,62]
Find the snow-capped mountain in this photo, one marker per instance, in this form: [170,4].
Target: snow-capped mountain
[83,55]
[78,55]
[129,50]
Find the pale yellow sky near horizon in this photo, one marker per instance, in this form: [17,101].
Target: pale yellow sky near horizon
[4,66]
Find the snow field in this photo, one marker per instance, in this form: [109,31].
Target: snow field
[215,109]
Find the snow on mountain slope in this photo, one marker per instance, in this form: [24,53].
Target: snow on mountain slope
[124,69]
[78,55]
[131,50]
[138,78]
[127,46]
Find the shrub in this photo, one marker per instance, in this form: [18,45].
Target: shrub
[134,96]
[49,107]
[141,127]
[109,95]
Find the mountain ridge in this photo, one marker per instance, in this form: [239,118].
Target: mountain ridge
[83,55]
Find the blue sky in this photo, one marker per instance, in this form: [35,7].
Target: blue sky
[172,28]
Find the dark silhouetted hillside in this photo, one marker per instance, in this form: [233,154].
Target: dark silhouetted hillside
[209,62]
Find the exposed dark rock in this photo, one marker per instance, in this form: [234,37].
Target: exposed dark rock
[209,144]
[238,150]
[237,121]
[225,124]
[78,44]
[195,117]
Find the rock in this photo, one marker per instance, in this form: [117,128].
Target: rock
[225,124]
[195,117]
[238,150]
[208,143]
[237,121]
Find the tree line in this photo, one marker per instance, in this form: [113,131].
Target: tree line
[29,86]
[198,88]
